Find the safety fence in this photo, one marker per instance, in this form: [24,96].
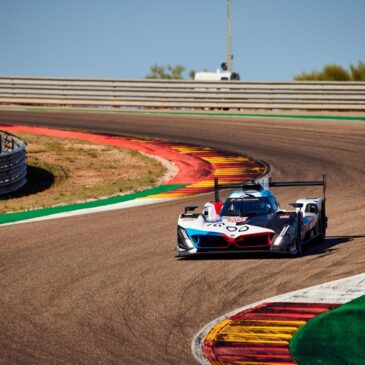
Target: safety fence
[13,168]
[181,94]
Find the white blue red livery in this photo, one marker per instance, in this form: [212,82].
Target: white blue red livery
[251,219]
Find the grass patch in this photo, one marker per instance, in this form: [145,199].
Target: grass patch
[64,171]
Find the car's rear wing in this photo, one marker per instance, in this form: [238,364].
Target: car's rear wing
[266,183]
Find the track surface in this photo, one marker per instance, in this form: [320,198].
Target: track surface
[106,288]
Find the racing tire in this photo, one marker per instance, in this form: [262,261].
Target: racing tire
[323,224]
[298,245]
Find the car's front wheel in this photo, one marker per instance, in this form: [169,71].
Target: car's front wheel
[297,243]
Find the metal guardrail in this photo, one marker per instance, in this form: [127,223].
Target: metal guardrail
[181,94]
[13,168]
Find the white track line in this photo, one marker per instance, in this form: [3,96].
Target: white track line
[339,291]
[128,204]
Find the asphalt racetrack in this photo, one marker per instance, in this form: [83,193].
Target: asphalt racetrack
[107,288]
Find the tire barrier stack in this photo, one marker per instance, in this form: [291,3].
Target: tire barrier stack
[13,168]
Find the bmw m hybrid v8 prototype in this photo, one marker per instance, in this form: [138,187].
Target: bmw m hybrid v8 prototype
[251,220]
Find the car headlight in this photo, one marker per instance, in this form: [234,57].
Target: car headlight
[288,231]
[183,240]
[285,236]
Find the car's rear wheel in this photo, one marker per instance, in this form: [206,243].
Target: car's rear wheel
[322,224]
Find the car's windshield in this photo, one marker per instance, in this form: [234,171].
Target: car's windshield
[247,206]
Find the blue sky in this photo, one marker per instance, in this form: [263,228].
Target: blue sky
[272,39]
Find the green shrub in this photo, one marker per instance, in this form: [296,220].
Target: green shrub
[358,72]
[334,72]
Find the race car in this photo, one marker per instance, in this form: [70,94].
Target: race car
[251,220]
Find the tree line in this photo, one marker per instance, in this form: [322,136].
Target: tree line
[330,72]
[333,72]
[169,72]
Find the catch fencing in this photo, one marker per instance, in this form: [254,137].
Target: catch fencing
[13,168]
[183,95]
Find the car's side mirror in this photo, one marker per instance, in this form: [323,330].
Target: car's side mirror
[296,205]
[190,208]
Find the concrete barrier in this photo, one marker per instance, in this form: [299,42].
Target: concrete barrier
[181,94]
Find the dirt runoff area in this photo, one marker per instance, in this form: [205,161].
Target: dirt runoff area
[63,171]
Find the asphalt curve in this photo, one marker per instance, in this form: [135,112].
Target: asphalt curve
[107,288]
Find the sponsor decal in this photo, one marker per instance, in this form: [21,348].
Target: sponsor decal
[235,229]
[236,219]
[215,225]
[285,216]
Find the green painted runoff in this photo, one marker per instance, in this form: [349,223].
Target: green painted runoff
[336,337]
[36,213]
